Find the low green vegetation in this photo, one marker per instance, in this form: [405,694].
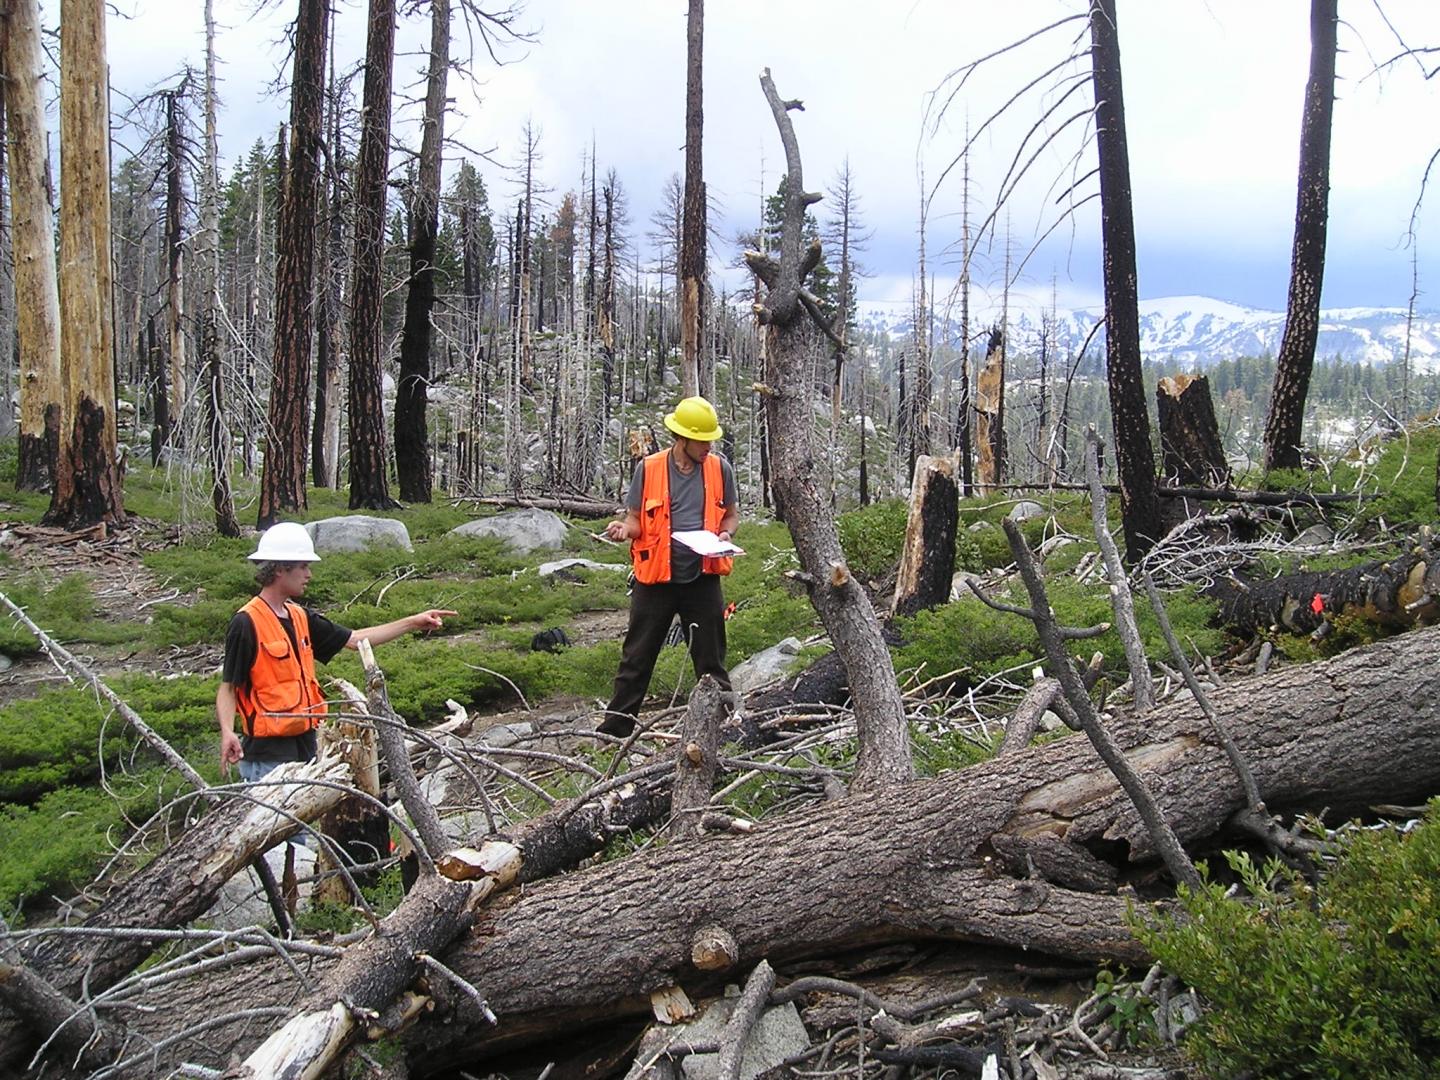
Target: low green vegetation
[1335,982]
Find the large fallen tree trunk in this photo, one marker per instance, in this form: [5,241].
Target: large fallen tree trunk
[947,858]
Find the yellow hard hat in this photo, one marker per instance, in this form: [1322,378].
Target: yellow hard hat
[694,418]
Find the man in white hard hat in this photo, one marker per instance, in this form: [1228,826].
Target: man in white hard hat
[270,652]
[687,487]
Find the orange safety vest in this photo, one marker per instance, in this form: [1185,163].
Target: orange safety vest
[283,697]
[650,553]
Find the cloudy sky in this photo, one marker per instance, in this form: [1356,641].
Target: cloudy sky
[1213,94]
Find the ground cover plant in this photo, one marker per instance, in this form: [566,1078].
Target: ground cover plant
[1330,981]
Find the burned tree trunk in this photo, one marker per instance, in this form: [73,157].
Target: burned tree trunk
[1285,421]
[1191,454]
[1393,592]
[692,238]
[1134,458]
[841,602]
[369,461]
[282,481]
[412,441]
[927,561]
[88,481]
[37,297]
[948,858]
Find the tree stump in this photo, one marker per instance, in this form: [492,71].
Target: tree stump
[927,560]
[1191,454]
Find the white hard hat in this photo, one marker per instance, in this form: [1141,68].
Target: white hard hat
[286,541]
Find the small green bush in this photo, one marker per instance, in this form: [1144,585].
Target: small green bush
[1339,982]
[966,634]
[66,610]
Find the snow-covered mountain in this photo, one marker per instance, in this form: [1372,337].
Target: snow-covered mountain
[1199,330]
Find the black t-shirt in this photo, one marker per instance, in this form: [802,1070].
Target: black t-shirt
[241,646]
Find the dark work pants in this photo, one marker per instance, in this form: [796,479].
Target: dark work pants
[652,609]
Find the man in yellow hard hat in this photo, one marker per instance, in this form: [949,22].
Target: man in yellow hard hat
[687,487]
[270,651]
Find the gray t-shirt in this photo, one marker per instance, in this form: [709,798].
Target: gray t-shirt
[687,509]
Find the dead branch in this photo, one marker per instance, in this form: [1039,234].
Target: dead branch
[1142,687]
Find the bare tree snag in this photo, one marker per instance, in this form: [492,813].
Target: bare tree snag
[1285,420]
[412,441]
[1135,460]
[1191,454]
[37,297]
[693,236]
[1391,592]
[989,432]
[842,604]
[907,862]
[927,559]
[88,482]
[698,759]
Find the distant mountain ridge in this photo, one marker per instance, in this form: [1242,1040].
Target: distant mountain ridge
[1200,330]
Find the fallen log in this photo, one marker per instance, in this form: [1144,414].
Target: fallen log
[576,507]
[1390,592]
[914,862]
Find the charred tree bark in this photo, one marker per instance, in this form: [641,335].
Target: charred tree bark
[1285,421]
[282,480]
[37,296]
[692,234]
[175,266]
[1191,454]
[927,560]
[369,464]
[412,442]
[1134,457]
[1394,593]
[841,602]
[88,482]
[908,863]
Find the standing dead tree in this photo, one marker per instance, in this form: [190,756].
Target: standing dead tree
[1284,422]
[843,606]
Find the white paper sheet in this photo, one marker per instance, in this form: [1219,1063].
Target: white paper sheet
[705,542]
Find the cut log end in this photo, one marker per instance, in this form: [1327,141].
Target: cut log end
[714,949]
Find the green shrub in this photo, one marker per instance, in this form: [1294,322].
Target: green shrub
[66,610]
[1338,982]
[966,634]
[55,738]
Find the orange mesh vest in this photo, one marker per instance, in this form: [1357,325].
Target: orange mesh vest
[283,697]
[650,554]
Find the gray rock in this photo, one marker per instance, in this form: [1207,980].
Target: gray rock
[546,569]
[1051,721]
[241,900]
[1317,535]
[521,531]
[980,526]
[778,1035]
[357,532]
[765,666]
[5,662]
[960,584]
[1024,511]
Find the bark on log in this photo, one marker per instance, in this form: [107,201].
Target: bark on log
[989,399]
[1191,454]
[910,862]
[698,760]
[1391,592]
[927,560]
